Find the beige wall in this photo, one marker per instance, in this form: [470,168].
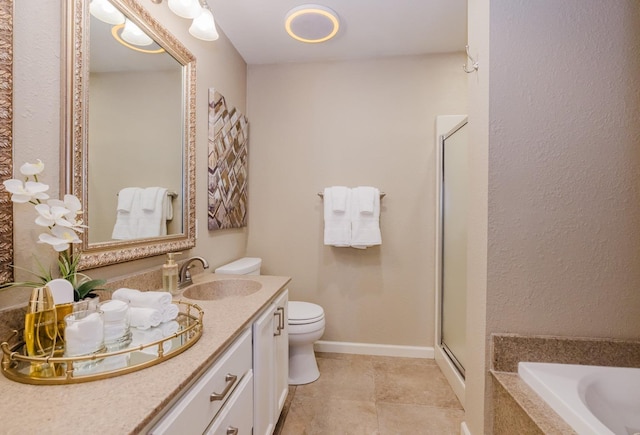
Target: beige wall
[351,123]
[563,180]
[37,125]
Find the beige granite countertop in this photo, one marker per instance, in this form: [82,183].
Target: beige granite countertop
[132,402]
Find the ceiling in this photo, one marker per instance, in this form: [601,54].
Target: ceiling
[369,28]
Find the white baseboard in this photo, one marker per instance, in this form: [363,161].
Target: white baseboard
[464,430]
[374,349]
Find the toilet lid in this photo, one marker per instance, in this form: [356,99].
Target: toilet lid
[304,312]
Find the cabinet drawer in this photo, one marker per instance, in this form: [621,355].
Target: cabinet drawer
[195,410]
[236,418]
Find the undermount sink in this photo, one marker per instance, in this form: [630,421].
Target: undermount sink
[221,289]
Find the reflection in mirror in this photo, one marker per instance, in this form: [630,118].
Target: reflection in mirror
[6,138]
[135,132]
[129,139]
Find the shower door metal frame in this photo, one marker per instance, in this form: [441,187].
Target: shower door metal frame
[448,364]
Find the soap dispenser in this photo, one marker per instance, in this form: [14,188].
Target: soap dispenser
[170,274]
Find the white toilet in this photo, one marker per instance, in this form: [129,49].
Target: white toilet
[306,325]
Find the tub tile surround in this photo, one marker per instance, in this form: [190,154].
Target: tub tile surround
[115,404]
[517,408]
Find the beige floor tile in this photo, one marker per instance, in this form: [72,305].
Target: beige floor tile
[350,379]
[412,381]
[329,416]
[401,419]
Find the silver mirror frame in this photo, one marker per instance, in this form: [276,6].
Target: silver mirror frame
[75,151]
[6,138]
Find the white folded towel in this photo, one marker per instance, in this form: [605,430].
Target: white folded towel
[337,224]
[144,318]
[153,221]
[170,312]
[136,298]
[366,197]
[126,197]
[365,225]
[127,214]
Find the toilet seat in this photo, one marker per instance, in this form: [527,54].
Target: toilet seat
[304,313]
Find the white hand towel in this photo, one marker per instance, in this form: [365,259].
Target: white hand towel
[365,226]
[337,224]
[127,214]
[145,318]
[366,198]
[339,196]
[136,298]
[153,220]
[126,197]
[169,313]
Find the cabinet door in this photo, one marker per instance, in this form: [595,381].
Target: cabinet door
[282,354]
[236,416]
[263,368]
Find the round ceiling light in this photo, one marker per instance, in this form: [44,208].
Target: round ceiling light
[312,23]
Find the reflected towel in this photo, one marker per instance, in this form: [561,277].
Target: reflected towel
[127,214]
[139,338]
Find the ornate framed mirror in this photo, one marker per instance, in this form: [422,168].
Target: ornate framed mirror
[129,124]
[6,138]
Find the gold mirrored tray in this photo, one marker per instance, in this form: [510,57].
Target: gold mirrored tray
[150,347]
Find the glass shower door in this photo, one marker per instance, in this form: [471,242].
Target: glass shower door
[454,245]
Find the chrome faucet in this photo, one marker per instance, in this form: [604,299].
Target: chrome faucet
[184,277]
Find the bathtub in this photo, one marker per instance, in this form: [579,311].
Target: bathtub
[591,399]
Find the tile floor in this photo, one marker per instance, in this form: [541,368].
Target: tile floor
[370,395]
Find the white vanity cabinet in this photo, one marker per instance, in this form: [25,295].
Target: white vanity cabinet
[270,365]
[215,393]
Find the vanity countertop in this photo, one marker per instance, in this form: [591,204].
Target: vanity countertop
[130,403]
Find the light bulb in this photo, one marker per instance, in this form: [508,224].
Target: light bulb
[204,27]
[106,12]
[134,35]
[185,8]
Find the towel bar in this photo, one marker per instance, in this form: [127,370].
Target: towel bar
[382,194]
[170,193]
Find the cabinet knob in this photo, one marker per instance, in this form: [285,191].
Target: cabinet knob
[230,380]
[232,430]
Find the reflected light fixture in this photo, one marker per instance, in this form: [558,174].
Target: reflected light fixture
[312,23]
[185,8]
[106,12]
[134,35]
[204,26]
[115,32]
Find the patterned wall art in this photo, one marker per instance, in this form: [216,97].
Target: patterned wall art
[228,148]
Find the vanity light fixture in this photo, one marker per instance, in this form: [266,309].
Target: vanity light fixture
[185,8]
[203,26]
[106,12]
[312,23]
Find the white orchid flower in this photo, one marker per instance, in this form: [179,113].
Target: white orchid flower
[60,238]
[25,192]
[71,203]
[50,216]
[32,168]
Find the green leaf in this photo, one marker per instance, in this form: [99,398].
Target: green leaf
[83,290]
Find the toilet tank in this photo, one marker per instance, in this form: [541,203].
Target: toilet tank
[243,266]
